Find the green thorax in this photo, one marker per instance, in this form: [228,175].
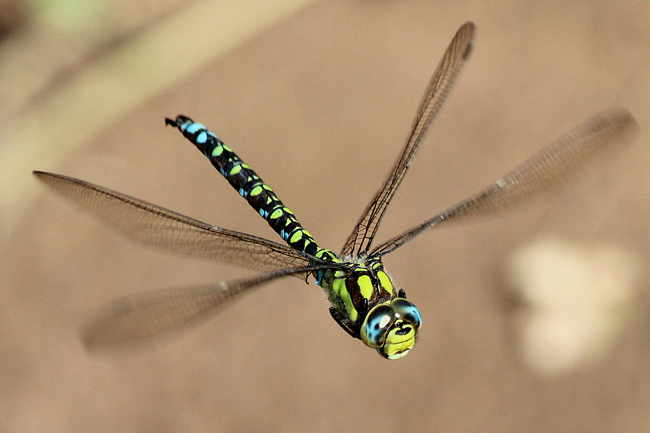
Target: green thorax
[355,289]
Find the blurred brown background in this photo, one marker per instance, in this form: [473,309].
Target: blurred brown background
[317,97]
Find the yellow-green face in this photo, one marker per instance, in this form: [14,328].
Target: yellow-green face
[400,339]
[391,328]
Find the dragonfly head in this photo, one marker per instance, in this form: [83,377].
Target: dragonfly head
[391,327]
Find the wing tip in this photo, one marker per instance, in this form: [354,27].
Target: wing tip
[465,34]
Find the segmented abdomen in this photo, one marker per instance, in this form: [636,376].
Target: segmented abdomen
[250,186]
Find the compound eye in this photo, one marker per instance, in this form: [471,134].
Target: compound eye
[376,325]
[406,311]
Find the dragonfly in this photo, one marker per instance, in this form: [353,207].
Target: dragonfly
[365,300]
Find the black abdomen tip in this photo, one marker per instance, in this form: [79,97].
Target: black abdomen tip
[180,119]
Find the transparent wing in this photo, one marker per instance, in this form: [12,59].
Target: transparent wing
[443,78]
[154,225]
[600,137]
[138,318]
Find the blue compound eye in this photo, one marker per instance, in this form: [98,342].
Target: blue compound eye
[407,312]
[376,325]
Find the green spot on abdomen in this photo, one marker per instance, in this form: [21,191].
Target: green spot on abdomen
[236,169]
[296,237]
[256,191]
[217,151]
[276,214]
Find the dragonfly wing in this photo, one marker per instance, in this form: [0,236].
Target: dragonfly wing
[443,78]
[600,137]
[138,318]
[154,225]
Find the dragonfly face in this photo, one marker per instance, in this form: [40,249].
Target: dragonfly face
[391,328]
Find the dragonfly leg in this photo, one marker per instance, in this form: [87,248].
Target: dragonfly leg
[343,322]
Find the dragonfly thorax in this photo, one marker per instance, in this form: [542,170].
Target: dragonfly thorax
[367,305]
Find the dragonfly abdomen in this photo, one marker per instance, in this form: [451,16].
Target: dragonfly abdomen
[248,184]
